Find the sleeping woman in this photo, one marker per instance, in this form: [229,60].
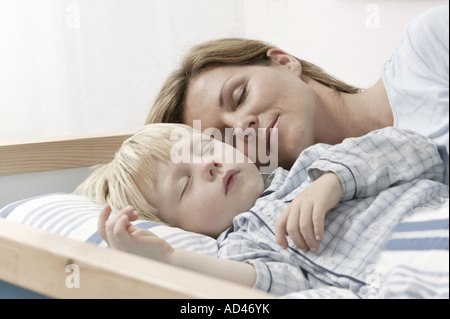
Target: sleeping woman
[241,84]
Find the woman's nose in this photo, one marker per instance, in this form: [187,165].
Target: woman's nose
[242,122]
[245,127]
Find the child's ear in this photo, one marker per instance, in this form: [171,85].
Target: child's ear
[283,59]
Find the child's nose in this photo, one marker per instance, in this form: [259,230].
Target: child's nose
[210,169]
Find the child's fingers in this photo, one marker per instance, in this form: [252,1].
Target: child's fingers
[110,225]
[293,228]
[102,218]
[280,229]
[304,226]
[121,236]
[318,221]
[129,211]
[303,223]
[133,215]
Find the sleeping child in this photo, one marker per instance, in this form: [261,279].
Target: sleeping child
[317,225]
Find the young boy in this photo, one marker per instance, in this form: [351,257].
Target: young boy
[356,191]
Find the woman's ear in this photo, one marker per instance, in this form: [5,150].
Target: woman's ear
[281,58]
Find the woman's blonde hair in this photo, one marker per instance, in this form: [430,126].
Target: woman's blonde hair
[114,183]
[168,106]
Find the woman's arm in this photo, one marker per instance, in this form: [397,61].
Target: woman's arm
[120,234]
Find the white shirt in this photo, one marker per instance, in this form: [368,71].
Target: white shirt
[416,78]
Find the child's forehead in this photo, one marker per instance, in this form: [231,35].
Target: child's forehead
[192,138]
[186,147]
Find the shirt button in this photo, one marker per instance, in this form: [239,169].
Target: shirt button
[329,261]
[266,211]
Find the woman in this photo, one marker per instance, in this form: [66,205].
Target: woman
[243,84]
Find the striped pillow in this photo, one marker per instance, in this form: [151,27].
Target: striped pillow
[74,216]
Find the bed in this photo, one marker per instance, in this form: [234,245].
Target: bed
[49,244]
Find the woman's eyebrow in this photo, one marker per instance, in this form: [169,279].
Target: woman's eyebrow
[222,90]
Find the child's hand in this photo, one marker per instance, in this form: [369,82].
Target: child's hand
[120,234]
[303,219]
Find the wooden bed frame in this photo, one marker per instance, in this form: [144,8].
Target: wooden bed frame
[44,262]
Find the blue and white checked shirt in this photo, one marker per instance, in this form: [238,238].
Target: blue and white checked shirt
[385,175]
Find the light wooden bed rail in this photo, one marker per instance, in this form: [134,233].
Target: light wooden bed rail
[38,260]
[49,264]
[54,153]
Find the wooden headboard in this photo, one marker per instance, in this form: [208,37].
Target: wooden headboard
[45,154]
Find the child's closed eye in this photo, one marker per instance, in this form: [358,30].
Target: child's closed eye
[186,184]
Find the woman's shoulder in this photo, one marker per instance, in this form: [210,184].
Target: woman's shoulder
[428,35]
[434,17]
[425,45]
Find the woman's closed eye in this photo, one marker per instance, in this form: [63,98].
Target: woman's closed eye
[239,95]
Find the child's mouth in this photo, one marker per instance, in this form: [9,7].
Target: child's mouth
[229,179]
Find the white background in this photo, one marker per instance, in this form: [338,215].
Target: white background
[84,66]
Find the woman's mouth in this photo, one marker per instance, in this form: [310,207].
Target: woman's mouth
[229,179]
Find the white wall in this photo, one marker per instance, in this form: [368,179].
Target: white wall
[76,66]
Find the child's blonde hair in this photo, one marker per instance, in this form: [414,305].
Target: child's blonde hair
[114,183]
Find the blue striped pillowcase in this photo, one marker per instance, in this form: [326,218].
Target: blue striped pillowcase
[74,216]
